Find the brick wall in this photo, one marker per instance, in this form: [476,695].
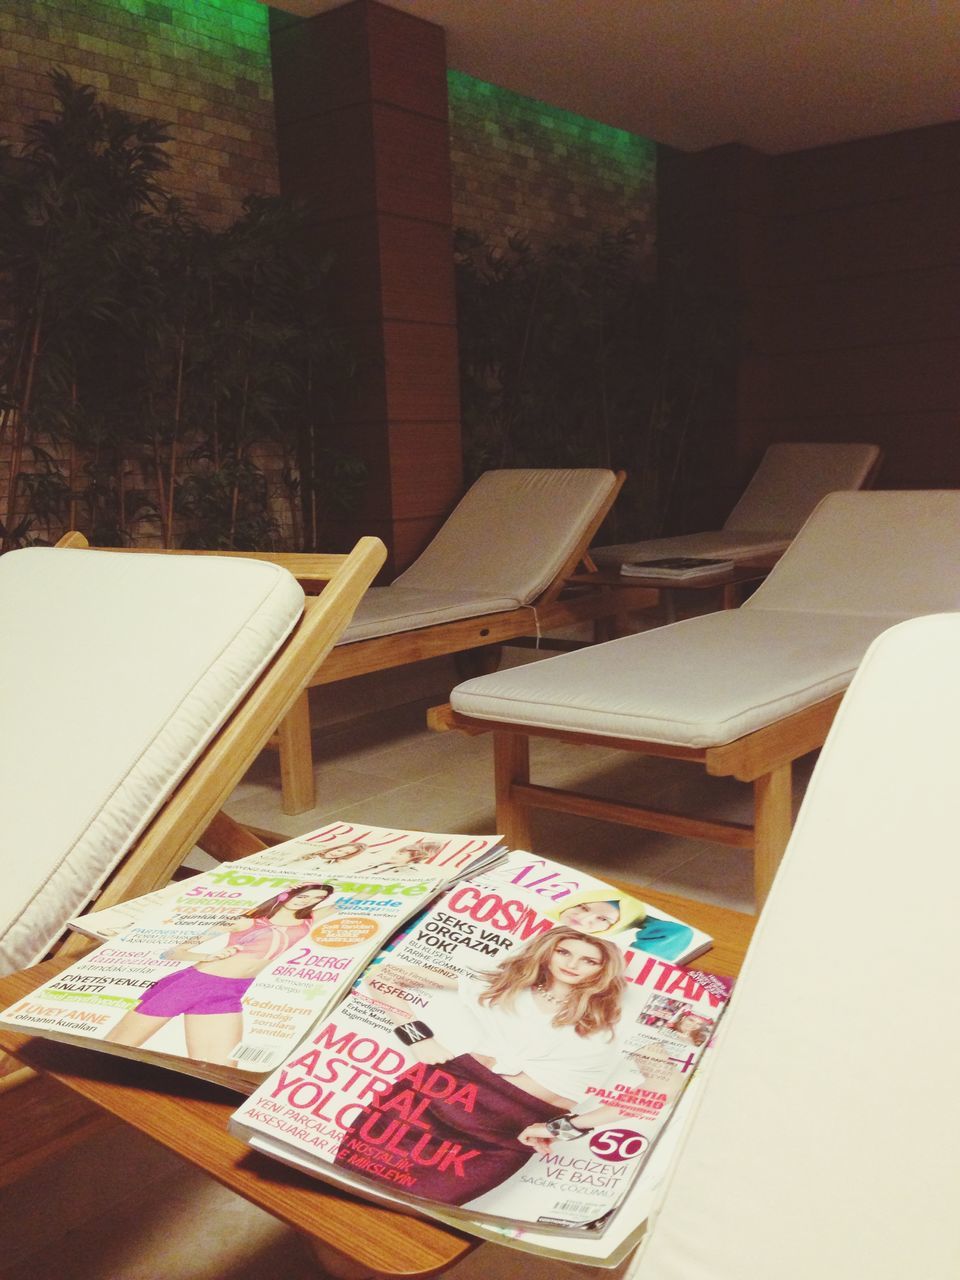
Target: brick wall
[201,65]
[521,165]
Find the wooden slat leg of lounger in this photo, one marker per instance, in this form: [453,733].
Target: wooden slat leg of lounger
[511,764]
[225,839]
[296,758]
[481,661]
[773,819]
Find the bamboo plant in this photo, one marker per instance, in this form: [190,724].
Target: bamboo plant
[580,354]
[148,362]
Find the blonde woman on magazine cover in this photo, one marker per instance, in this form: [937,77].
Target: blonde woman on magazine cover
[523,1041]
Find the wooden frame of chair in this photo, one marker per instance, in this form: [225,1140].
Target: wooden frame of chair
[559,605]
[316,572]
[191,816]
[763,758]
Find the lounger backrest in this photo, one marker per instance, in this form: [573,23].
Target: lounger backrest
[511,533]
[792,478]
[115,672]
[825,1141]
[893,553]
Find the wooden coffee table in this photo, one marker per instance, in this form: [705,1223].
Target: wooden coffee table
[351,1238]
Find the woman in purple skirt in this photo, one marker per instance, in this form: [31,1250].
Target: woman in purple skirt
[209,994]
[515,1051]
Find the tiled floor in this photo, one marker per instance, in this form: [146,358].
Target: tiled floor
[121,1209]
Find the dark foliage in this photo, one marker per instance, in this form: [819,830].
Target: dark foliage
[146,359]
[577,355]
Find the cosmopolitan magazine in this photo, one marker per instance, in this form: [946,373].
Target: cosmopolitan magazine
[497,1063]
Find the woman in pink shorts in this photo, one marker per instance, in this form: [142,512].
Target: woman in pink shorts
[209,994]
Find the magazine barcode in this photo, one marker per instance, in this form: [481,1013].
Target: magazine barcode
[574,1206]
[253,1053]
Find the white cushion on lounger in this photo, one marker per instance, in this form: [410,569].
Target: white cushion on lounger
[863,561]
[665,685]
[789,482]
[177,640]
[387,610]
[824,1143]
[792,478]
[893,551]
[503,544]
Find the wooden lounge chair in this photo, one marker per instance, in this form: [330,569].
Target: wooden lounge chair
[134,694]
[827,1111]
[841,1166]
[743,692]
[497,571]
[789,482]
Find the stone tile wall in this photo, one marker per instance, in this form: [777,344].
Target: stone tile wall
[201,65]
[522,166]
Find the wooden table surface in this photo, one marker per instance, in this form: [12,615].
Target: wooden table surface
[190,1117]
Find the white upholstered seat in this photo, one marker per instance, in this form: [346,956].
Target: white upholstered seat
[115,671]
[744,692]
[862,562]
[135,691]
[695,683]
[789,482]
[390,610]
[503,544]
[496,571]
[825,1139]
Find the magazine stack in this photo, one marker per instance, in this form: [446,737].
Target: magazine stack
[507,1064]
[675,568]
[493,1039]
[222,974]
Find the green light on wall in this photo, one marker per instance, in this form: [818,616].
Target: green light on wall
[204,24]
[627,148]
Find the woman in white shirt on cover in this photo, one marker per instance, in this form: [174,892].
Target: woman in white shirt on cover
[522,1043]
